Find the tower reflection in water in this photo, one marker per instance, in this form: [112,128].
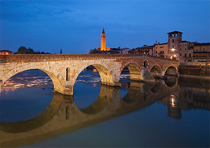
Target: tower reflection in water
[62,115]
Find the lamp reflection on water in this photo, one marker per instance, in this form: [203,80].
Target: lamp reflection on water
[172,100]
[94,70]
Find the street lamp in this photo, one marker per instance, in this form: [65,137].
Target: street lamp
[173,49]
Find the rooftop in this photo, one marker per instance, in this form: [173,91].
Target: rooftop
[174,32]
[200,44]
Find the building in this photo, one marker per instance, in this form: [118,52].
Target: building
[143,50]
[201,53]
[160,50]
[188,53]
[103,42]
[174,39]
[5,52]
[124,51]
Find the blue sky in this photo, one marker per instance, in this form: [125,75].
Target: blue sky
[76,25]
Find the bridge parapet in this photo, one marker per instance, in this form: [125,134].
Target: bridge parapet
[58,57]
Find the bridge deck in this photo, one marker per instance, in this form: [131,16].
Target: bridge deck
[58,57]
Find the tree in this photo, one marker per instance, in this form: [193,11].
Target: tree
[22,50]
[93,51]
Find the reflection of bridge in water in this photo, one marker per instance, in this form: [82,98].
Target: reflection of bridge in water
[62,115]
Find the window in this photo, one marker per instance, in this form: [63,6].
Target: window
[196,49]
[185,55]
[172,41]
[185,49]
[190,55]
[204,49]
[67,74]
[161,46]
[161,52]
[180,54]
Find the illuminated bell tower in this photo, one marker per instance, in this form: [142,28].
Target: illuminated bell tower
[174,39]
[103,41]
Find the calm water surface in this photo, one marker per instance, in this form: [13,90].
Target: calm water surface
[165,114]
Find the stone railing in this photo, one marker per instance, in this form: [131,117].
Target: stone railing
[59,57]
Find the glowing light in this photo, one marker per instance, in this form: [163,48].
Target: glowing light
[172,49]
[94,70]
[172,100]
[94,84]
[7,53]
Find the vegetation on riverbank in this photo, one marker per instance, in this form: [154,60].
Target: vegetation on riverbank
[194,70]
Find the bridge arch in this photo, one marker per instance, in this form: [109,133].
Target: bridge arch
[103,70]
[171,70]
[56,78]
[156,71]
[134,69]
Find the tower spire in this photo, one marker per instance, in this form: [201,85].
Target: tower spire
[103,32]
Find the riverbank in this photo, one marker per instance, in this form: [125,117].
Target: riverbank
[198,72]
[195,77]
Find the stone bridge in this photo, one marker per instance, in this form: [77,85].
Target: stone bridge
[62,115]
[64,69]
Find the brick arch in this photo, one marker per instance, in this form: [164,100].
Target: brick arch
[103,70]
[156,70]
[139,65]
[56,79]
[134,69]
[171,70]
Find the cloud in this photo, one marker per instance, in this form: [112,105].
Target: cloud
[23,11]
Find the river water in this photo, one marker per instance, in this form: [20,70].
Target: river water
[170,113]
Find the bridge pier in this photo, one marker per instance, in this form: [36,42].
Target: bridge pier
[68,90]
[115,84]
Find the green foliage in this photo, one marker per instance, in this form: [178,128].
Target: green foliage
[24,50]
[93,51]
[201,72]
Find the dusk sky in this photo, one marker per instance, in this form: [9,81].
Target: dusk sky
[76,25]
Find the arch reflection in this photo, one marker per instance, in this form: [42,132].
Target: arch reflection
[40,120]
[62,116]
[101,102]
